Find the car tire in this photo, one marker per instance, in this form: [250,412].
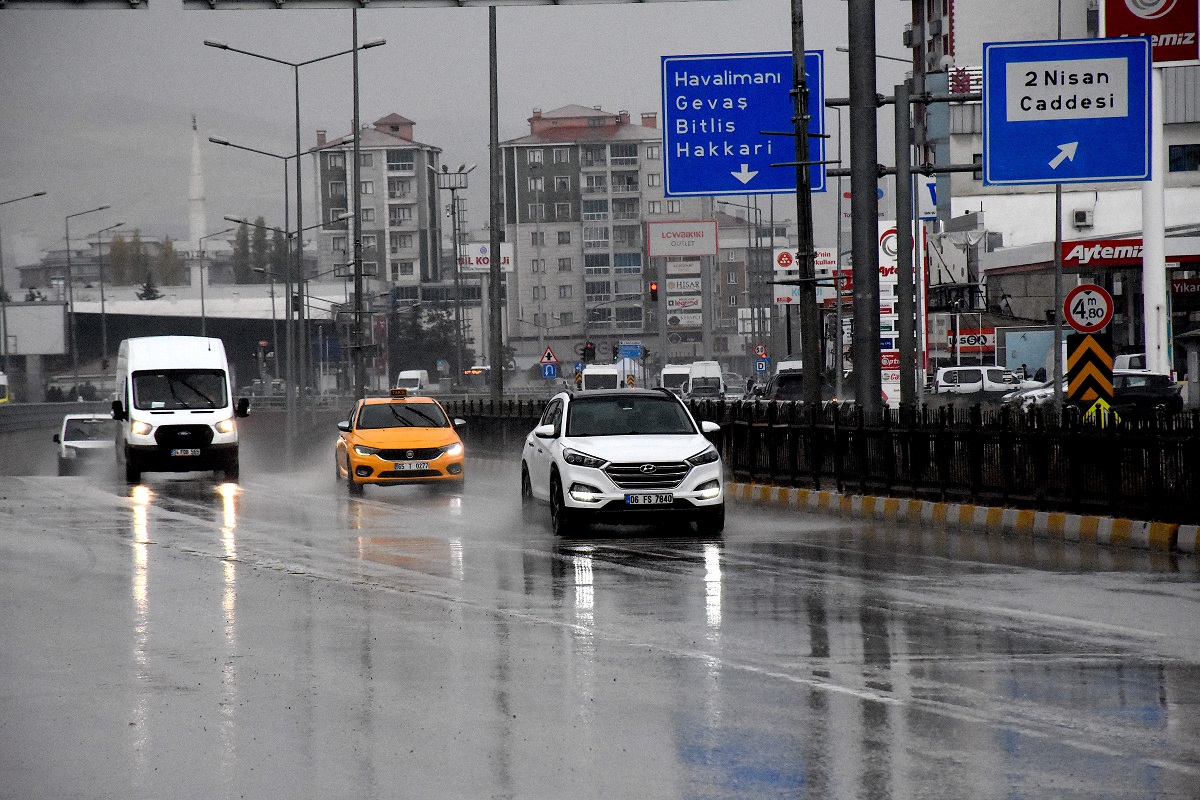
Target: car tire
[564,521]
[133,470]
[711,521]
[352,486]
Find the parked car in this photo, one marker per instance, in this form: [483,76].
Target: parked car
[85,440]
[1140,393]
[620,456]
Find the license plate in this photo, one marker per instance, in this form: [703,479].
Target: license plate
[404,466]
[649,499]
[186,451]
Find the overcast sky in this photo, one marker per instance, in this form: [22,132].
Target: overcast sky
[97,105]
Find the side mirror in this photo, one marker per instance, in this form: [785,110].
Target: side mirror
[708,426]
[544,431]
[57,439]
[344,426]
[118,410]
[243,407]
[459,422]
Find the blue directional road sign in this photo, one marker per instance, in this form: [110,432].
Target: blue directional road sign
[715,108]
[549,370]
[1066,111]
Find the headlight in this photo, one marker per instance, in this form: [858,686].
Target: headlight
[452,449]
[709,490]
[578,459]
[139,428]
[582,493]
[363,450]
[226,426]
[707,457]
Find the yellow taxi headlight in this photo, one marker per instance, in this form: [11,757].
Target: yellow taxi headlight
[363,450]
[453,449]
[226,426]
[139,428]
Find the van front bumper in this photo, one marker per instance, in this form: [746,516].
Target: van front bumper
[157,458]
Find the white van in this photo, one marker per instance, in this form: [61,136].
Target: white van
[173,394]
[968,380]
[601,376]
[675,377]
[705,380]
[416,381]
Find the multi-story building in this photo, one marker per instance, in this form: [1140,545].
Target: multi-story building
[578,192]
[397,200]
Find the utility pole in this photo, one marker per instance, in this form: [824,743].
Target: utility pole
[810,319]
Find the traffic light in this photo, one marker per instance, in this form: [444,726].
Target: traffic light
[654,291]
[616,352]
[296,304]
[589,353]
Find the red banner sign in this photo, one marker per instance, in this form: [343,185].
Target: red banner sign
[1171,24]
[1102,253]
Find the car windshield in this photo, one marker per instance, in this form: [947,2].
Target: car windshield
[402,415]
[627,415]
[175,389]
[674,380]
[87,430]
[408,383]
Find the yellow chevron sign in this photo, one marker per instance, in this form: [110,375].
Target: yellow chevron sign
[1089,369]
[1102,411]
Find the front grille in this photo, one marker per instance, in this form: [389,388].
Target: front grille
[181,436]
[418,454]
[665,475]
[410,473]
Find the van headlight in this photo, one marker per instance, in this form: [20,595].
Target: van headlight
[226,426]
[452,449]
[363,450]
[578,459]
[139,428]
[707,456]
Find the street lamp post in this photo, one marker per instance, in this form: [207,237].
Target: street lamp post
[295,66]
[103,317]
[4,291]
[71,298]
[752,281]
[454,181]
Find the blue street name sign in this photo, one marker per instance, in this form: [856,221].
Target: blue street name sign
[549,370]
[715,108]
[629,350]
[1066,111]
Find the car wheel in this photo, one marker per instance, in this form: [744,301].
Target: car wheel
[133,470]
[527,500]
[352,486]
[564,521]
[712,522]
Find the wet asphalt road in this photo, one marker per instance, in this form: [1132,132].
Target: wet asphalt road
[280,639]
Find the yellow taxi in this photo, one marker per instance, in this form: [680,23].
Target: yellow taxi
[399,439]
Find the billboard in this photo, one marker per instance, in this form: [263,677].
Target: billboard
[1170,24]
[35,329]
[694,238]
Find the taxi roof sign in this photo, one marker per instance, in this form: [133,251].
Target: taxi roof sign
[399,393]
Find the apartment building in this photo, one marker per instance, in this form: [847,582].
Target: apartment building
[578,192]
[397,201]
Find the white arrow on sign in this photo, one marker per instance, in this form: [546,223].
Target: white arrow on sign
[1066,152]
[745,176]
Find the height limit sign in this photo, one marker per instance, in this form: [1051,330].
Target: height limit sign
[1088,308]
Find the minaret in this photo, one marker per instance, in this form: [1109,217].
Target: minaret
[197,227]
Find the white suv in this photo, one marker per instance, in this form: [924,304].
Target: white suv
[628,455]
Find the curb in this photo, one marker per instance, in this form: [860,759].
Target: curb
[1107,531]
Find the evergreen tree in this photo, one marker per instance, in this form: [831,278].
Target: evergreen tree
[170,266]
[279,256]
[139,260]
[241,255]
[149,291]
[118,260]
[422,338]
[260,256]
